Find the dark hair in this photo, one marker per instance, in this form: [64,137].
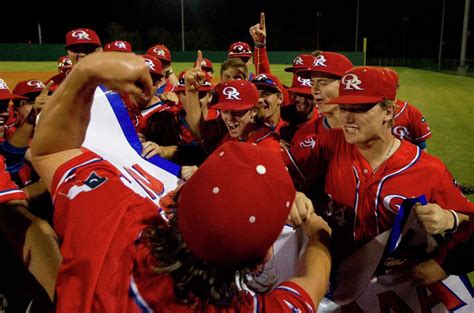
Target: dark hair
[196,282]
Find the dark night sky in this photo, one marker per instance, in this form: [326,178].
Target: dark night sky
[409,28]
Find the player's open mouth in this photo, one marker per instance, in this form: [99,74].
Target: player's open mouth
[351,128]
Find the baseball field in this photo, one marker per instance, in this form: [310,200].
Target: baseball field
[447,102]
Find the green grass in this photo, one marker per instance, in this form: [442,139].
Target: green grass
[447,101]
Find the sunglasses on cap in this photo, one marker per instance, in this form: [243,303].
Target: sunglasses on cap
[357,108]
[83,48]
[264,80]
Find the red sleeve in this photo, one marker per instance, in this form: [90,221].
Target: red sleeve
[449,196]
[419,127]
[261,62]
[8,189]
[288,297]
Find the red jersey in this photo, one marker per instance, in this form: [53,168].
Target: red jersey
[409,123]
[364,204]
[8,189]
[57,80]
[99,220]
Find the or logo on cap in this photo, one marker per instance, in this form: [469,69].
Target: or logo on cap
[320,61]
[120,45]
[231,93]
[298,61]
[81,35]
[304,81]
[159,51]
[150,64]
[35,83]
[203,63]
[351,82]
[3,84]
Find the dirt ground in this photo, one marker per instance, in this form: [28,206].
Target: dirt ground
[12,78]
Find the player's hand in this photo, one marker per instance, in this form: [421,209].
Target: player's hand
[42,98]
[169,97]
[188,171]
[434,218]
[121,72]
[302,207]
[195,76]
[427,273]
[259,32]
[314,226]
[150,148]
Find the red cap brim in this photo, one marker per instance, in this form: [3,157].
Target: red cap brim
[232,106]
[306,91]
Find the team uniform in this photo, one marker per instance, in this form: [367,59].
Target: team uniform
[364,204]
[109,271]
[409,124]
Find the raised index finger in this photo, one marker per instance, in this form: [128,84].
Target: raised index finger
[45,90]
[198,60]
[262,20]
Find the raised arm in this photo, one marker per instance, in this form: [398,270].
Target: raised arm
[64,120]
[259,36]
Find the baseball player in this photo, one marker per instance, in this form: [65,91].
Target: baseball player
[137,261]
[409,123]
[369,171]
[162,53]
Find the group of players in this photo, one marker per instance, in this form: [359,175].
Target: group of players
[335,155]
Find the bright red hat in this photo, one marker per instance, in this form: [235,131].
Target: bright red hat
[393,74]
[206,86]
[82,36]
[118,46]
[301,85]
[206,65]
[28,87]
[234,207]
[236,95]
[239,49]
[301,62]
[365,84]
[5,93]
[160,51]
[332,63]
[154,65]
[64,63]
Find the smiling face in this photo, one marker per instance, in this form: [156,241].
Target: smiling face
[324,89]
[270,101]
[363,123]
[304,103]
[4,114]
[239,123]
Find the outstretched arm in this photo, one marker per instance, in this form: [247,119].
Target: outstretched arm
[64,120]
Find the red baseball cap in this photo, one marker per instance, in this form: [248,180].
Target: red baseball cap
[393,74]
[27,88]
[5,93]
[161,52]
[301,85]
[82,36]
[301,62]
[365,84]
[269,81]
[118,46]
[236,95]
[234,207]
[239,49]
[206,86]
[206,65]
[64,63]
[332,63]
[154,65]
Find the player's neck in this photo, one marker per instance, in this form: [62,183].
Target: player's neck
[376,152]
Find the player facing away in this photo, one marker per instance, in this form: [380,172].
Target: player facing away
[119,255]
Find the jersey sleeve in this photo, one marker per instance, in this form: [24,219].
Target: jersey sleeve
[419,127]
[262,63]
[8,189]
[287,297]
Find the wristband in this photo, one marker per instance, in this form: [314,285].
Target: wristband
[456,223]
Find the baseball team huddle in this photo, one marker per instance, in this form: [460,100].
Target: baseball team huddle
[282,191]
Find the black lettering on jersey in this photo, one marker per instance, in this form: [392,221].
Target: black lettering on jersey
[94,180]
